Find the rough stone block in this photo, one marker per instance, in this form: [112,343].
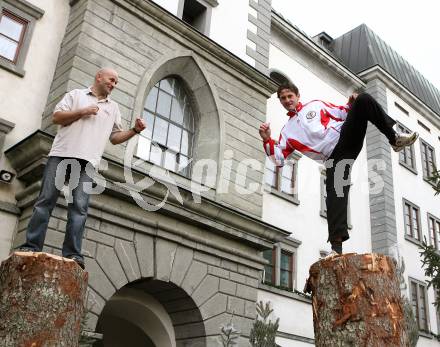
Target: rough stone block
[165,254]
[207,258]
[207,288]
[100,237]
[117,231]
[181,264]
[217,271]
[246,292]
[235,306]
[194,276]
[238,278]
[54,238]
[229,265]
[98,279]
[245,270]
[127,256]
[108,260]
[93,223]
[227,287]
[214,306]
[185,317]
[250,310]
[212,325]
[89,248]
[144,245]
[95,303]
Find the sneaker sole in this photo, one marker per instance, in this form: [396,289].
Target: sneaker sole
[399,148]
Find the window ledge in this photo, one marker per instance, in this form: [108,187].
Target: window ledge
[410,168]
[212,3]
[293,199]
[26,7]
[413,240]
[11,67]
[425,334]
[426,179]
[181,180]
[6,126]
[289,294]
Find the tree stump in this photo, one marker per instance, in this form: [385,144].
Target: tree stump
[41,300]
[356,301]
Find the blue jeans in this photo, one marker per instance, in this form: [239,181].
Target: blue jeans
[76,209]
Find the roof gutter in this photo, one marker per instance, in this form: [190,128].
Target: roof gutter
[377,72]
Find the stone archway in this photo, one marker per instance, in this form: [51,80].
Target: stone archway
[197,289]
[150,313]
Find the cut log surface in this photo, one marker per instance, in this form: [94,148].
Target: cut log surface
[356,301]
[41,300]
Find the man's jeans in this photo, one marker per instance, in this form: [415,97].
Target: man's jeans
[76,210]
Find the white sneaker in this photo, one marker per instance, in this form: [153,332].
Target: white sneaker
[404,140]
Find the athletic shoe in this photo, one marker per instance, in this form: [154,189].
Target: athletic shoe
[404,140]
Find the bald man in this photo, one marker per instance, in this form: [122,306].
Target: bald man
[86,119]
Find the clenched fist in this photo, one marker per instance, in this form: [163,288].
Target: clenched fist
[265,131]
[89,110]
[140,125]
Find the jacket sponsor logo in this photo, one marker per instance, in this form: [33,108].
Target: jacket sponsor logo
[310,114]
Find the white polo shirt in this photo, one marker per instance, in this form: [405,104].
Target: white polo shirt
[86,137]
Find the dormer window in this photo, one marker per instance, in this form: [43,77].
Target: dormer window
[197,13]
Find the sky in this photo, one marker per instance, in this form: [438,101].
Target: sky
[411,28]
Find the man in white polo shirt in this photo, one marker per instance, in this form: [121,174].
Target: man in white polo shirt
[87,118]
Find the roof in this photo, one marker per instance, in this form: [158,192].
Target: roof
[361,49]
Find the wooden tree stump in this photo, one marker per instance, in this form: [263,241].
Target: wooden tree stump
[356,301]
[41,300]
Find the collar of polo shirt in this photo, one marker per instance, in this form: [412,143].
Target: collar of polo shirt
[90,92]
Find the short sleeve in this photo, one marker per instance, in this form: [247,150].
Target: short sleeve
[66,103]
[117,125]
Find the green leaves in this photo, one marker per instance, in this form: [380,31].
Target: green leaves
[229,334]
[264,331]
[431,264]
[434,179]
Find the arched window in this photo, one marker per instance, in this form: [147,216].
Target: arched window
[168,139]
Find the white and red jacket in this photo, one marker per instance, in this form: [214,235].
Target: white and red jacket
[313,129]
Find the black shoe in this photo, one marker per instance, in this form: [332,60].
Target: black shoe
[24,249]
[78,260]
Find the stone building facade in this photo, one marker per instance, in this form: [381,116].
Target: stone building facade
[188,267]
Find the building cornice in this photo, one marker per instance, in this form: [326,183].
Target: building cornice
[6,126]
[377,72]
[203,45]
[314,49]
[9,207]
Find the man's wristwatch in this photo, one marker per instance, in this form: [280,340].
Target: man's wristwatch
[134,129]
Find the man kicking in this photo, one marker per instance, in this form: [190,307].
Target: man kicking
[333,135]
